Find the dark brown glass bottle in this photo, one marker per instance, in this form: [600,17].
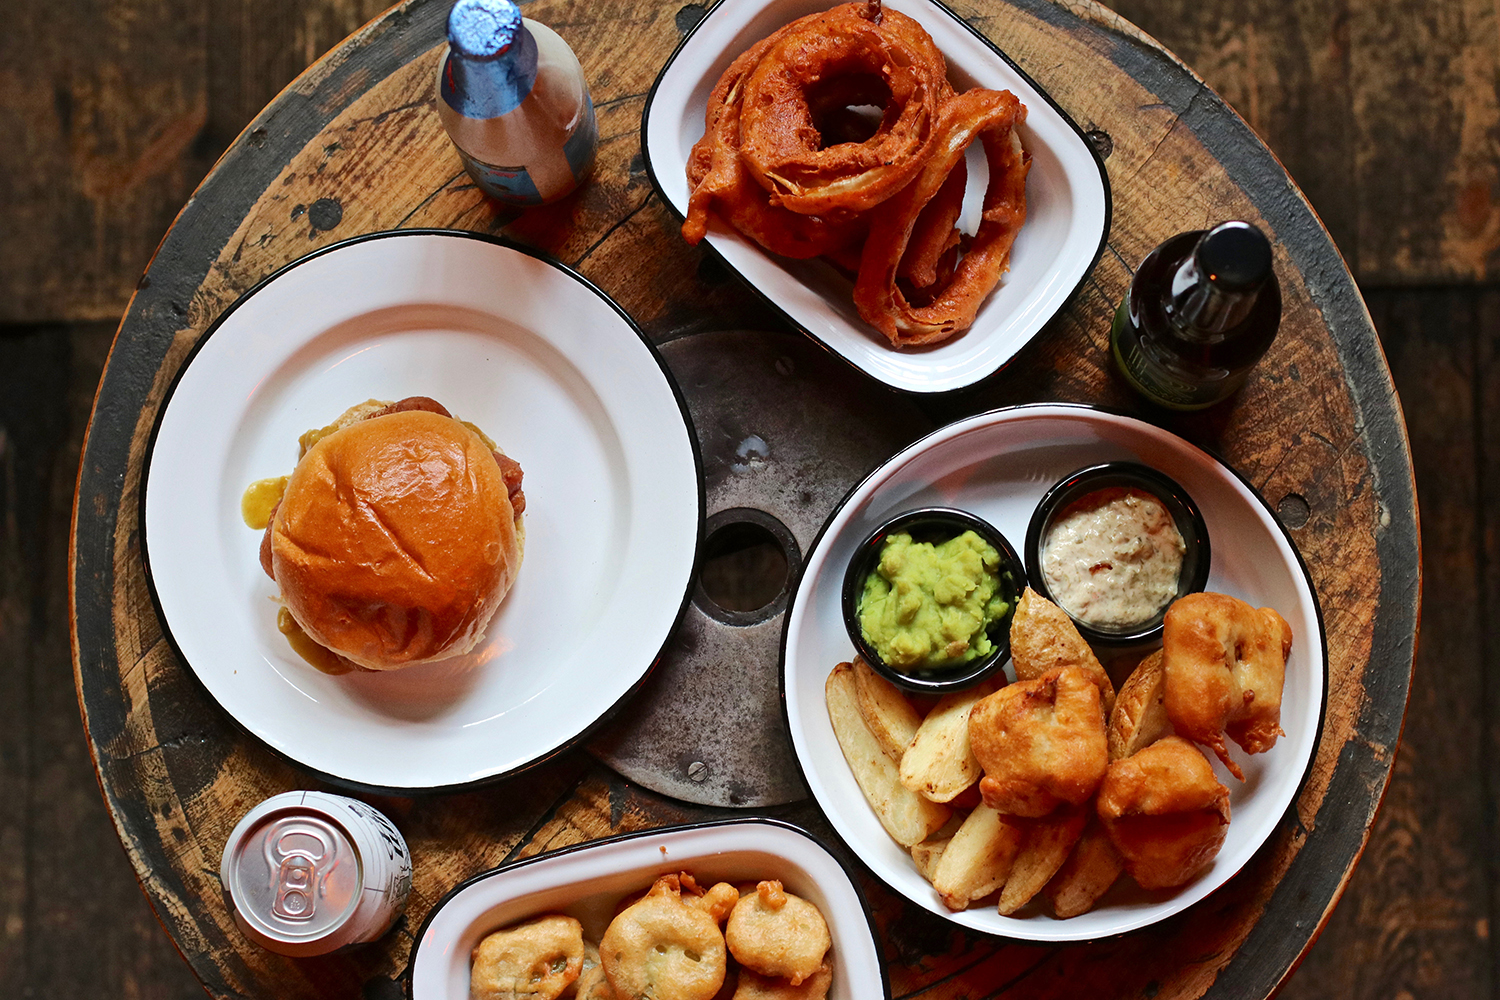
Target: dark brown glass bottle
[1202,309]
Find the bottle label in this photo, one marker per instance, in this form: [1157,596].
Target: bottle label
[515,186]
[1149,378]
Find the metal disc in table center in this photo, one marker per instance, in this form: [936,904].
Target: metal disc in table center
[785,432]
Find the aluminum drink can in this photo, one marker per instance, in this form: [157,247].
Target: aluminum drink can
[307,873]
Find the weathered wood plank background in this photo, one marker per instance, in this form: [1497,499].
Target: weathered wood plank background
[1384,111]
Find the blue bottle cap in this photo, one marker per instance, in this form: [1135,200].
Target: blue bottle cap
[483,29]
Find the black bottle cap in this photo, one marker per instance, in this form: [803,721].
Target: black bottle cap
[1234,257]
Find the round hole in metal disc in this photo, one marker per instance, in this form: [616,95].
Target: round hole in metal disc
[748,559]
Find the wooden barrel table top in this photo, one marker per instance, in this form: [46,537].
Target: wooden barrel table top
[354,146]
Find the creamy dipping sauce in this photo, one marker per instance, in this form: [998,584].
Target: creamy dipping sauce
[1113,558]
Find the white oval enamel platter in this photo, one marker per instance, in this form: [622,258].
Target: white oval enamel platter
[543,363]
[586,882]
[998,465]
[1068,201]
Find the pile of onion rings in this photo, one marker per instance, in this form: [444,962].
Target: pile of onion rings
[786,160]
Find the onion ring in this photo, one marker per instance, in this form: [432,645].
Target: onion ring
[781,145]
[720,182]
[989,116]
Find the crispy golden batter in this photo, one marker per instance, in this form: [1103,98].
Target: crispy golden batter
[1165,812]
[659,948]
[753,986]
[534,960]
[777,934]
[1140,715]
[1041,743]
[593,986]
[718,901]
[1224,665]
[1043,639]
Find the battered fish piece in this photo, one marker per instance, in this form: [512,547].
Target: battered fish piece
[1224,664]
[1041,743]
[1165,812]
[660,948]
[753,986]
[1043,639]
[535,960]
[777,934]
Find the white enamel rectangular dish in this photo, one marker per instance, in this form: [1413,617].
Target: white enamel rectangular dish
[1068,200]
[587,881]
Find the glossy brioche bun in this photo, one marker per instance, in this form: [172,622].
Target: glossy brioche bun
[396,541]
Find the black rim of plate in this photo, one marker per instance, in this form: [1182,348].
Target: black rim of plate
[587,731]
[787,317]
[919,444]
[849,873]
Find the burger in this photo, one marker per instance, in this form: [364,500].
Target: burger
[398,534]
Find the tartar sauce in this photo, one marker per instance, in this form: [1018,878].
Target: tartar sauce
[1113,557]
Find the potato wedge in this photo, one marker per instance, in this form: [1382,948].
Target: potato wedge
[892,720]
[1043,638]
[1047,844]
[906,816]
[978,859]
[927,853]
[1090,871]
[938,763]
[1139,718]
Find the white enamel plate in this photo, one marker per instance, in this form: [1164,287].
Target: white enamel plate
[1068,201]
[998,465]
[543,363]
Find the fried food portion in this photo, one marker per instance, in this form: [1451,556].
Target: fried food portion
[1047,844]
[534,960]
[777,934]
[663,949]
[1043,639]
[592,985]
[753,986]
[1093,867]
[1165,812]
[907,817]
[1140,714]
[718,901]
[1225,663]
[939,764]
[1041,743]
[977,859]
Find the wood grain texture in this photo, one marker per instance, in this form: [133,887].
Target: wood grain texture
[1319,421]
[1349,93]
[1416,919]
[119,109]
[65,887]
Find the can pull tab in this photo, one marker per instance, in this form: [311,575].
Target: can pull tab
[296,878]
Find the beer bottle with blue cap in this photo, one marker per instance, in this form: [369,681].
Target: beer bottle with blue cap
[515,102]
[1201,310]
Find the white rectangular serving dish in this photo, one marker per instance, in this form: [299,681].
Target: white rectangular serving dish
[1067,192]
[588,880]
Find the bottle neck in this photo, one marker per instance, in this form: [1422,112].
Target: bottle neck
[489,88]
[1201,310]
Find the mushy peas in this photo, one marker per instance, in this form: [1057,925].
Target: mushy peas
[926,606]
